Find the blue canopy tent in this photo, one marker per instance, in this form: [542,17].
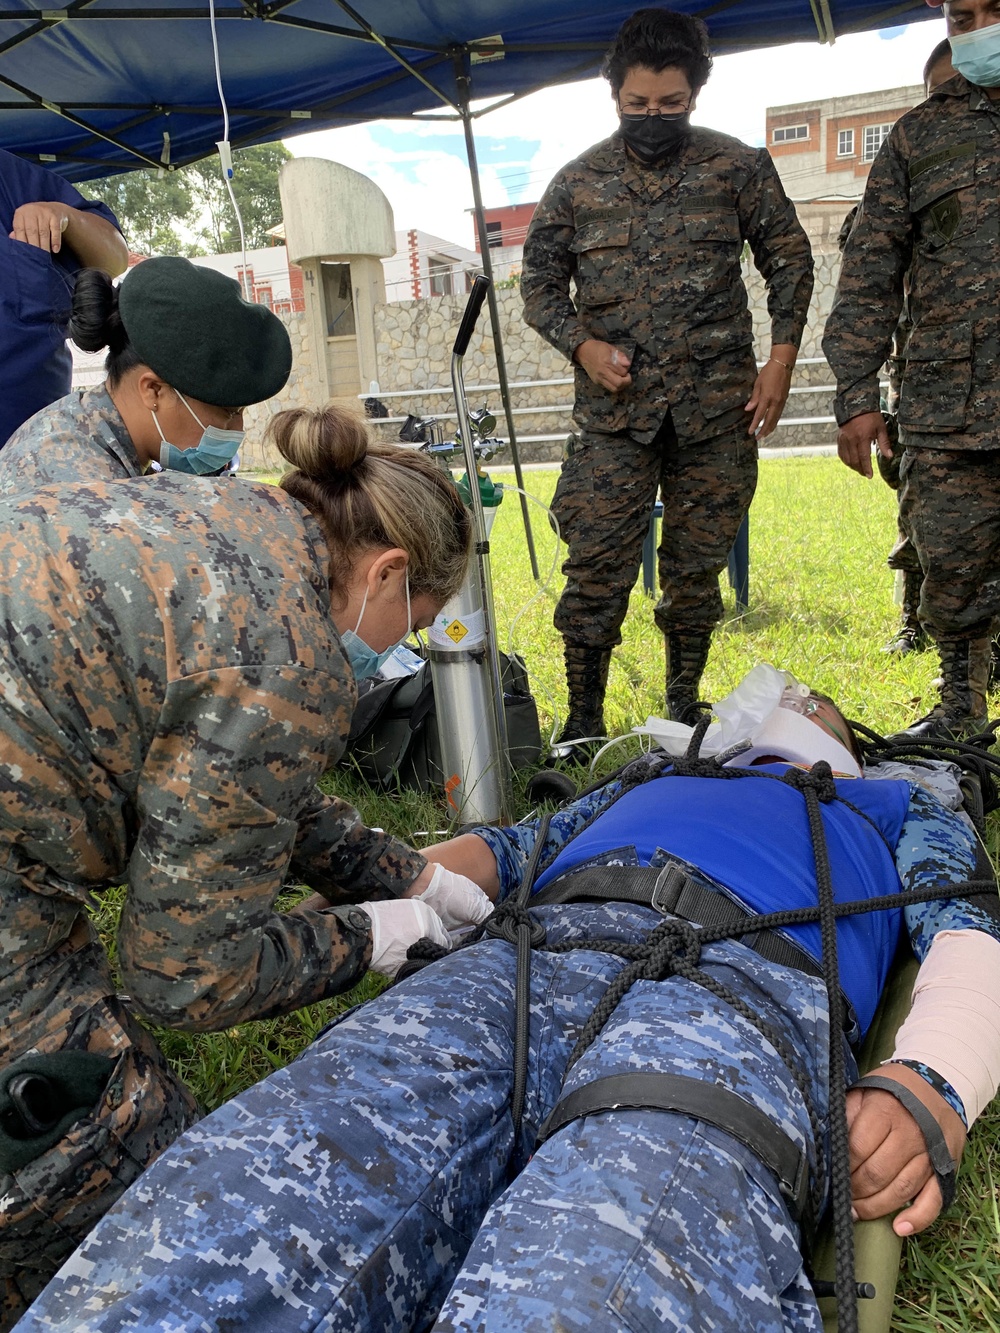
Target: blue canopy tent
[94,87]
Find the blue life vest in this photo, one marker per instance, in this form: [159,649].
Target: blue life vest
[751,835]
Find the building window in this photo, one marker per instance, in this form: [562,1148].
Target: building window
[338,299]
[845,143]
[875,137]
[439,272]
[494,235]
[788,133]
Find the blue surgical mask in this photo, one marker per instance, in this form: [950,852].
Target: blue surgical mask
[365,661]
[212,454]
[976,55]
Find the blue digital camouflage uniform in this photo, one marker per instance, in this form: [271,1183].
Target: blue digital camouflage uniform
[366,1187]
[172,686]
[80,438]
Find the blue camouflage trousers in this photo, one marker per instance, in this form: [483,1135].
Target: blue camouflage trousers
[367,1185]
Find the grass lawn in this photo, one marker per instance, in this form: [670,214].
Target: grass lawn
[821,605]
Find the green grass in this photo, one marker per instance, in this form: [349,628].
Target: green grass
[821,606]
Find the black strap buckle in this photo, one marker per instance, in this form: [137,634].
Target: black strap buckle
[670,884]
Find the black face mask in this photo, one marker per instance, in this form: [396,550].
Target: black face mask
[655,139]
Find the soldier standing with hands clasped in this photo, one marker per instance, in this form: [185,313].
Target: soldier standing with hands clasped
[650,226]
[931,215]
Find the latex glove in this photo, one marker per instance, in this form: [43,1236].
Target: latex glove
[396,924]
[458,901]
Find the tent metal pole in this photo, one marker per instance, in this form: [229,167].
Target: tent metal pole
[462,80]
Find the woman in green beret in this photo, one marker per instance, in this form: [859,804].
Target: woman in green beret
[186,355]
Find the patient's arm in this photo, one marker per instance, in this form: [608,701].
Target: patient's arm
[889,1162]
[469,855]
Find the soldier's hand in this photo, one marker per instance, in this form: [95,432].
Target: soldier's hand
[396,924]
[767,402]
[856,437]
[606,365]
[890,1168]
[40,225]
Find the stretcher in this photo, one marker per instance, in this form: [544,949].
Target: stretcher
[877,1248]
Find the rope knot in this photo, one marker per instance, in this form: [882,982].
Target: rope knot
[819,779]
[508,918]
[673,947]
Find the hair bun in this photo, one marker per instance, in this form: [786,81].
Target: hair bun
[94,322]
[320,442]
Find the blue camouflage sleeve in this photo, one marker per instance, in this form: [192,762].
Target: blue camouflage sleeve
[937,847]
[512,847]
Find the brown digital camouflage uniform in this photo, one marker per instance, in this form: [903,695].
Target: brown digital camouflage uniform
[171,688]
[654,254]
[931,210]
[79,438]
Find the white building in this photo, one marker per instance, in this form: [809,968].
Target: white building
[426,265]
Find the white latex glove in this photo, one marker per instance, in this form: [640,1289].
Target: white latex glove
[396,924]
[458,901]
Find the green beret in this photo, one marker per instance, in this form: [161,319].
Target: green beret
[192,326]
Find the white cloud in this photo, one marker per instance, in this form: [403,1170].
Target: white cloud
[431,191]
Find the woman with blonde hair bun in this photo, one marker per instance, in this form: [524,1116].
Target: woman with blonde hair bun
[176,679]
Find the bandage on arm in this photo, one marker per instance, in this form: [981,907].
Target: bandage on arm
[954,1019]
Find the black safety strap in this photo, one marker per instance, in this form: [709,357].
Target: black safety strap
[710,1102]
[670,891]
[942,1162]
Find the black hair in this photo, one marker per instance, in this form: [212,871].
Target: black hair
[941,52]
[659,39]
[855,745]
[96,323]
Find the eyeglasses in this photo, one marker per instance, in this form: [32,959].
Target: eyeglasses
[663,112]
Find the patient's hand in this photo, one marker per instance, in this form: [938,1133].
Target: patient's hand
[889,1163]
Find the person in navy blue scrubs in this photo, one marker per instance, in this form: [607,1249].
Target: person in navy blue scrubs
[48,231]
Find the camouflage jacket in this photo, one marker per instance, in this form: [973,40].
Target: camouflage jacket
[171,688]
[931,210]
[655,258]
[79,438]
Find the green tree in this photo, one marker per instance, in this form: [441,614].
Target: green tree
[189,211]
[148,209]
[255,185]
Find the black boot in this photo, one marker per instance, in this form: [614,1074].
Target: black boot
[965,669]
[586,680]
[686,658]
[909,638]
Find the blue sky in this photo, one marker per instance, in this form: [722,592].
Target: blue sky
[422,168]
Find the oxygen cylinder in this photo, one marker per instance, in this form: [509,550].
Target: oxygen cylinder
[465,666]
[472,757]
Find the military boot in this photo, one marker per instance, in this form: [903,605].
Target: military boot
[910,637]
[965,669]
[586,680]
[686,658]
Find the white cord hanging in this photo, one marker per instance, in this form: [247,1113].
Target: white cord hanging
[226,154]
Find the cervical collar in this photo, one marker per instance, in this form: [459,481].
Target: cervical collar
[791,736]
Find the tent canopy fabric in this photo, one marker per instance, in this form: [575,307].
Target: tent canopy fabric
[93,87]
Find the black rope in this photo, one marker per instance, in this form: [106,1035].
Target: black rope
[674,949]
[514,923]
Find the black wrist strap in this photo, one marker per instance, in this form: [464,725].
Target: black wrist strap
[942,1163]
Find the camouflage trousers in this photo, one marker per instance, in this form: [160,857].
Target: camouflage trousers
[603,503]
[56,993]
[903,554]
[367,1186]
[950,505]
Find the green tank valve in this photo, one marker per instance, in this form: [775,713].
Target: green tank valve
[490,492]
